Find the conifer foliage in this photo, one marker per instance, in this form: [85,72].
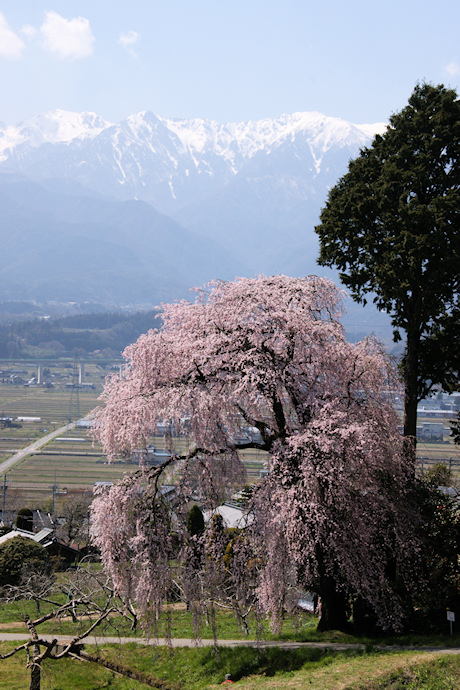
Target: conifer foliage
[391,225]
[262,363]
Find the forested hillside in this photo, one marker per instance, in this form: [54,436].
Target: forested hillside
[80,333]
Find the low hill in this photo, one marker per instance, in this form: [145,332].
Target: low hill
[82,334]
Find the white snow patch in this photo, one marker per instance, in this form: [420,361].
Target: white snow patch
[372,130]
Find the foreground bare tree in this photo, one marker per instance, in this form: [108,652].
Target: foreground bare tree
[38,649]
[91,600]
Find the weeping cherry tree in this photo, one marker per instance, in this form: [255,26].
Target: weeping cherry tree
[262,363]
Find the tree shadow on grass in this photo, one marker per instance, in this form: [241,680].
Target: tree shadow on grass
[245,661]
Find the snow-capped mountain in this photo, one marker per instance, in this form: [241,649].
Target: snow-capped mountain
[172,163]
[249,193]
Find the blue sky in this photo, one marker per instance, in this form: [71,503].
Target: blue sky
[228,60]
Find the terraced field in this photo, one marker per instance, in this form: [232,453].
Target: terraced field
[37,474]
[51,405]
[74,465]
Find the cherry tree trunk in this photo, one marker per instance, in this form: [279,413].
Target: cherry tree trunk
[333,606]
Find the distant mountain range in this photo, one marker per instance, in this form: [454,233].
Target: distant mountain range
[140,211]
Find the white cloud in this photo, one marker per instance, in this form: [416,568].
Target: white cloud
[127,40]
[29,31]
[453,69]
[10,44]
[70,38]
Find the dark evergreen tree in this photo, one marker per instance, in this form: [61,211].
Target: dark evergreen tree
[18,554]
[440,582]
[391,226]
[195,522]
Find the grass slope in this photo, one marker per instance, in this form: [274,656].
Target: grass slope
[274,669]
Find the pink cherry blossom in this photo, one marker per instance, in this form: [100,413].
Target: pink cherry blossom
[334,513]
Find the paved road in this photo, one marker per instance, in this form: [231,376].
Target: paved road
[176,642]
[183,642]
[7,464]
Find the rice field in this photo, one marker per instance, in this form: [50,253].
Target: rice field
[52,405]
[68,465]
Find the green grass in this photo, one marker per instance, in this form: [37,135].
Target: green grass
[181,623]
[251,668]
[65,674]
[274,668]
[197,668]
[15,611]
[365,672]
[441,673]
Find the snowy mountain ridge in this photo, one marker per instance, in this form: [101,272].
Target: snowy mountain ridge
[235,142]
[247,138]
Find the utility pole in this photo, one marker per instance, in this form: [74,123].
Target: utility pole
[4,497]
[74,402]
[54,490]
